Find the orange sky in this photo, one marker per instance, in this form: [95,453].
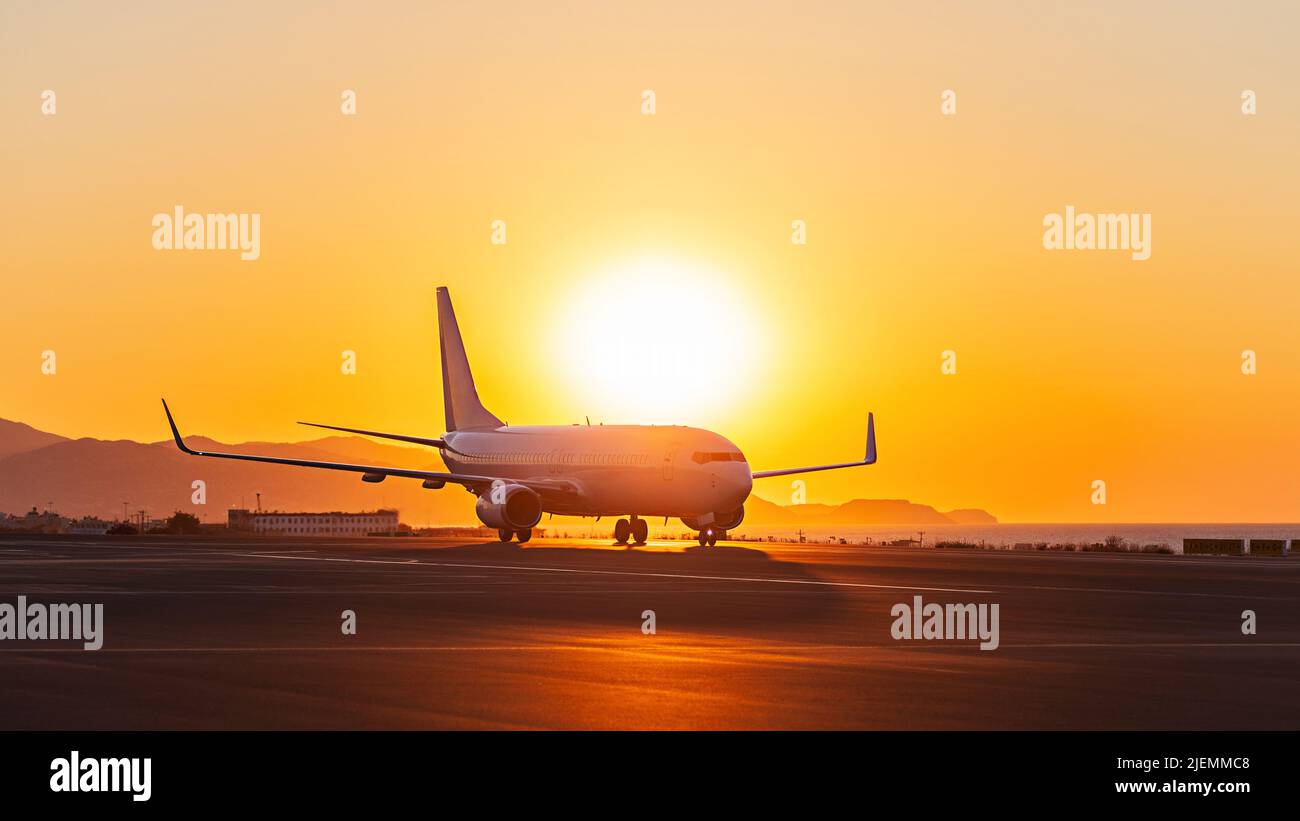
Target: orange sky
[648,274]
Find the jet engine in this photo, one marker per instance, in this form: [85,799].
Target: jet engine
[721,521]
[509,507]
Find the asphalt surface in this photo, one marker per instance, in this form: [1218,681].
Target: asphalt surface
[246,634]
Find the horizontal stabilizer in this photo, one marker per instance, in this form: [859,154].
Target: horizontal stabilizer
[415,440]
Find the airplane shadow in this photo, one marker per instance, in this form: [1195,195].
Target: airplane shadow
[707,588]
[720,553]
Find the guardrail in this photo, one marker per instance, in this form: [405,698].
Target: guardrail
[1237,547]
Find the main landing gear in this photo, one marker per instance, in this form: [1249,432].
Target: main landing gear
[637,530]
[523,535]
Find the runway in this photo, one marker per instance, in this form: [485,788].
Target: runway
[223,633]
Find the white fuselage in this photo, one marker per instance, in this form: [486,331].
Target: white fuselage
[618,470]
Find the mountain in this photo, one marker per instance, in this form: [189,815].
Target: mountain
[15,437]
[759,511]
[94,477]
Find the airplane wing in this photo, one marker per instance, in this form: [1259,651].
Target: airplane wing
[869,459]
[373,473]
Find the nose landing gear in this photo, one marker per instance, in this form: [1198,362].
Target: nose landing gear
[709,537]
[636,530]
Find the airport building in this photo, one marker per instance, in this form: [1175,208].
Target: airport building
[87,526]
[336,523]
[34,522]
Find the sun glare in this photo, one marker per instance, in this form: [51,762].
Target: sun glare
[657,342]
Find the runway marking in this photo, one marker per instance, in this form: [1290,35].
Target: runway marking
[774,548]
[1174,593]
[1151,645]
[759,579]
[102,560]
[280,591]
[389,590]
[1162,559]
[667,648]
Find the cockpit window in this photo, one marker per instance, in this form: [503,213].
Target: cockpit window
[703,456]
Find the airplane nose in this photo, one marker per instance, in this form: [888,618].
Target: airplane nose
[741,482]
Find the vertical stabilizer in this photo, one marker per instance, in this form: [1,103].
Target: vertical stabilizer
[459,397]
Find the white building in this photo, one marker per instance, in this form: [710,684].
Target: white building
[335,523]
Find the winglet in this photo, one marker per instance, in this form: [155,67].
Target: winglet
[871,439]
[869,458]
[175,433]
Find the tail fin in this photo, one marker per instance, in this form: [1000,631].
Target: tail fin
[459,398]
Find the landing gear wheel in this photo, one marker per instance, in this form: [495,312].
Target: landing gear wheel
[524,535]
[704,538]
[622,530]
[506,535]
[640,530]
[713,539]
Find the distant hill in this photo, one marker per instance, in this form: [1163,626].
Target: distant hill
[94,477]
[859,512]
[971,516]
[15,437]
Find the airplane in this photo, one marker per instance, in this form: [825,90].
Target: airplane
[519,472]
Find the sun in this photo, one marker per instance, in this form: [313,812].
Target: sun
[657,341]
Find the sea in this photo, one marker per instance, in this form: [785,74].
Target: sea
[1007,535]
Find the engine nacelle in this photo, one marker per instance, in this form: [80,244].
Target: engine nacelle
[721,521]
[509,507]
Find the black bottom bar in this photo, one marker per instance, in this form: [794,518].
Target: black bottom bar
[674,770]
